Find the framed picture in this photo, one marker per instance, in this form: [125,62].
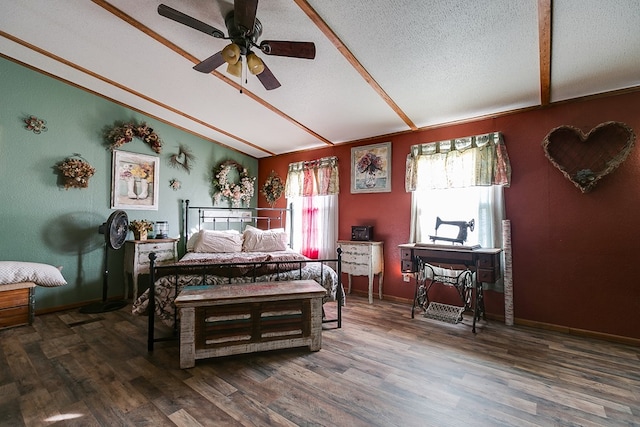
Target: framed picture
[134,181]
[371,168]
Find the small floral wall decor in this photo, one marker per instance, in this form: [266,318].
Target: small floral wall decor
[35,124]
[237,192]
[174,184]
[76,172]
[122,133]
[182,159]
[273,188]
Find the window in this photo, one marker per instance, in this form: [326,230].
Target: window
[312,189]
[459,180]
[484,205]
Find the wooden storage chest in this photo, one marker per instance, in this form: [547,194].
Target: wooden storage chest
[17,301]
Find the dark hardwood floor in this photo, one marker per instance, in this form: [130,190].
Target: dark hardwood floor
[381,369]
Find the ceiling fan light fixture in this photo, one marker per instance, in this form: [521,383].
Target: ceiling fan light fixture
[255,64]
[235,69]
[231,53]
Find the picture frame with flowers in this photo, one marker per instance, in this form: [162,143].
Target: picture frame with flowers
[371,168]
[134,181]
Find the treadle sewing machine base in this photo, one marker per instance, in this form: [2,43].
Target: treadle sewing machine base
[444,312]
[482,263]
[469,290]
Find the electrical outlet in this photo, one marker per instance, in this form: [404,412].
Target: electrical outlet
[406,277]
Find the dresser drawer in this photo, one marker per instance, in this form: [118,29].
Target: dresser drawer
[356,250]
[161,256]
[487,275]
[407,266]
[355,269]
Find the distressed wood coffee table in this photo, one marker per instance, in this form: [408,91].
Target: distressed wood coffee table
[244,318]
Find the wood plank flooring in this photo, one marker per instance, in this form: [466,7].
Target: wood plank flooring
[381,369]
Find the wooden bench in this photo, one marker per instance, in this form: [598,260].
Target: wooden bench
[244,318]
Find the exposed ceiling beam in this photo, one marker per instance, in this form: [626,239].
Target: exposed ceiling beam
[544,31]
[126,89]
[148,31]
[328,32]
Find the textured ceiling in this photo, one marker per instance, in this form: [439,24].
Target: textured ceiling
[381,66]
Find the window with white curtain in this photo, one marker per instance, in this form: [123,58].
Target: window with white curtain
[312,189]
[459,180]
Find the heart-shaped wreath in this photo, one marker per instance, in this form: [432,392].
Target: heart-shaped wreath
[182,159]
[585,159]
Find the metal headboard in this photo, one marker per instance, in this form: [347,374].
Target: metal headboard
[237,218]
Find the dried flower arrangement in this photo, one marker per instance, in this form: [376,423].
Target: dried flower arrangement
[76,172]
[123,133]
[140,228]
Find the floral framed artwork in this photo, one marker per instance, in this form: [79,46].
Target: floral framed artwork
[134,181]
[371,168]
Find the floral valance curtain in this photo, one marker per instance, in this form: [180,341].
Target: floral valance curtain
[313,178]
[480,160]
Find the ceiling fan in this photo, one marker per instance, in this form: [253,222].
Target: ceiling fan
[244,30]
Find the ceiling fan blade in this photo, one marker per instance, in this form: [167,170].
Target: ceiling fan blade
[187,20]
[244,13]
[305,50]
[210,64]
[267,79]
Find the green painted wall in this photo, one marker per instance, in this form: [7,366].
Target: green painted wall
[42,222]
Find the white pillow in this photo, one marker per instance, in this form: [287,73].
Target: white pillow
[40,274]
[218,241]
[256,240]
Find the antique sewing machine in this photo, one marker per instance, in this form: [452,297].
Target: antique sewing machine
[462,231]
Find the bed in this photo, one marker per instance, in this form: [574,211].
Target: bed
[234,246]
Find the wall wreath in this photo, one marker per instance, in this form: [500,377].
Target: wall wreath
[182,159]
[122,133]
[273,188]
[237,192]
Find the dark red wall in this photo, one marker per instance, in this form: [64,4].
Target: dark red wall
[575,255]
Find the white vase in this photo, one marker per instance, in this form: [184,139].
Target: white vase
[144,189]
[131,189]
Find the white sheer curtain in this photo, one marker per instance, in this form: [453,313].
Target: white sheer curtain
[315,221]
[484,205]
[312,189]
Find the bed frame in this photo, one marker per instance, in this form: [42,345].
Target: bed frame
[232,218]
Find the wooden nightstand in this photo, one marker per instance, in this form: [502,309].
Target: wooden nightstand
[363,259]
[136,258]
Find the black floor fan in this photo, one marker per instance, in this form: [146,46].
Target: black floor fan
[115,233]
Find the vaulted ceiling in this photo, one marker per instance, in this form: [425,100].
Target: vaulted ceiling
[381,67]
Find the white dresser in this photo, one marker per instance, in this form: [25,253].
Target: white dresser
[136,258]
[363,259]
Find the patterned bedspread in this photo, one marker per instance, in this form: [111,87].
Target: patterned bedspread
[166,292]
